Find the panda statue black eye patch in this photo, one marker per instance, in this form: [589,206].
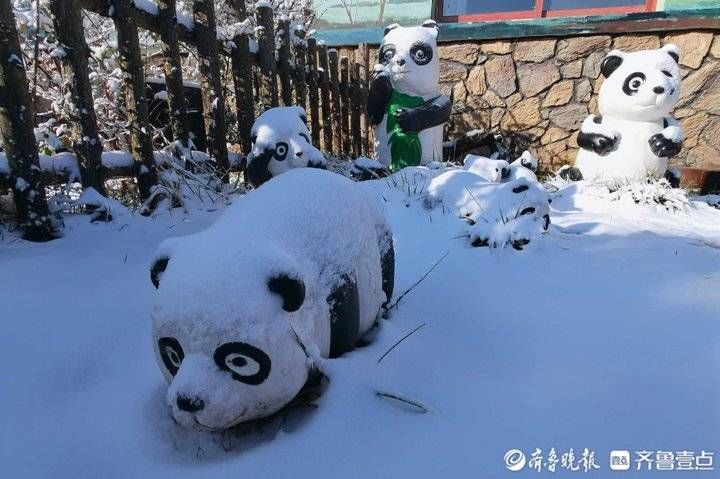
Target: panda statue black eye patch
[421,53]
[633,83]
[387,52]
[246,363]
[171,354]
[281,151]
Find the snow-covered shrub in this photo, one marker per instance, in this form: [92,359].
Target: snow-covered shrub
[653,192]
[187,179]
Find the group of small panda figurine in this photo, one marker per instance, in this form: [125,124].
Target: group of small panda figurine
[630,139]
[253,341]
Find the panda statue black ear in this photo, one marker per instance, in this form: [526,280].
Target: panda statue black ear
[430,24]
[157,269]
[291,290]
[611,63]
[673,51]
[390,27]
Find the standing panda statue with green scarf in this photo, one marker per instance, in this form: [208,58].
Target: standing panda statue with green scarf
[404,102]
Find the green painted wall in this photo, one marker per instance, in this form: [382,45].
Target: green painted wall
[688,4]
[343,14]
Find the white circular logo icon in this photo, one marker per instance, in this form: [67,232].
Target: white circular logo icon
[515,460]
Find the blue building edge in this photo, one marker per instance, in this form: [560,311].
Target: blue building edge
[671,20]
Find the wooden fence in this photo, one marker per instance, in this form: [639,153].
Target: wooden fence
[332,89]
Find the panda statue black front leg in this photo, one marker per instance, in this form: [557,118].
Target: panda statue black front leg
[433,112]
[378,97]
[593,137]
[669,141]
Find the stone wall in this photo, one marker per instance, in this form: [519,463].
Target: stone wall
[540,90]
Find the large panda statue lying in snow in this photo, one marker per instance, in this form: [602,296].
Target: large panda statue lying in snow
[244,308]
[404,102]
[633,136]
[280,142]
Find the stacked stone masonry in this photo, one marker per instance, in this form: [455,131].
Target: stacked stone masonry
[540,90]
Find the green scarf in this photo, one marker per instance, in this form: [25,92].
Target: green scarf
[405,147]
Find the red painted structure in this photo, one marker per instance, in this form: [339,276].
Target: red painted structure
[540,12]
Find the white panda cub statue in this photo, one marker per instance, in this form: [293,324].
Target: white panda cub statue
[491,169]
[404,102]
[280,142]
[633,136]
[496,171]
[245,308]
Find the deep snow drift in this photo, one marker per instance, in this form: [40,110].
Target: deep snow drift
[603,333]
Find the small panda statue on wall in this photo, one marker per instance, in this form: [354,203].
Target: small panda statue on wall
[404,102]
[245,308]
[633,136]
[280,142]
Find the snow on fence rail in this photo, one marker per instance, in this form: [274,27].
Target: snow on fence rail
[269,68]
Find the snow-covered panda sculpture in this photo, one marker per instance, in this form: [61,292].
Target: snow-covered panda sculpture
[280,142]
[491,169]
[510,213]
[633,136]
[496,171]
[244,309]
[404,102]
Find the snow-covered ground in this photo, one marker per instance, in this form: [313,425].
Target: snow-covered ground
[603,334]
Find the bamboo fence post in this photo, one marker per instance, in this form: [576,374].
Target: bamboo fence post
[300,73]
[211,86]
[364,88]
[313,92]
[284,62]
[345,95]
[177,107]
[265,32]
[241,63]
[335,102]
[68,23]
[243,82]
[356,109]
[325,94]
[135,98]
[17,128]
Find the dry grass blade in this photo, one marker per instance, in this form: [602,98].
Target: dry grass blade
[427,273]
[397,343]
[416,405]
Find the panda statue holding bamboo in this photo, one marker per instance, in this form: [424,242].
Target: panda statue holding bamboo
[404,102]
[633,136]
[246,309]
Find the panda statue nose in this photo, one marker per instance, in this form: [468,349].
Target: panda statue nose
[400,61]
[659,90]
[190,404]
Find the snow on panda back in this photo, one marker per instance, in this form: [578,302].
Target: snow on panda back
[309,212]
[308,222]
